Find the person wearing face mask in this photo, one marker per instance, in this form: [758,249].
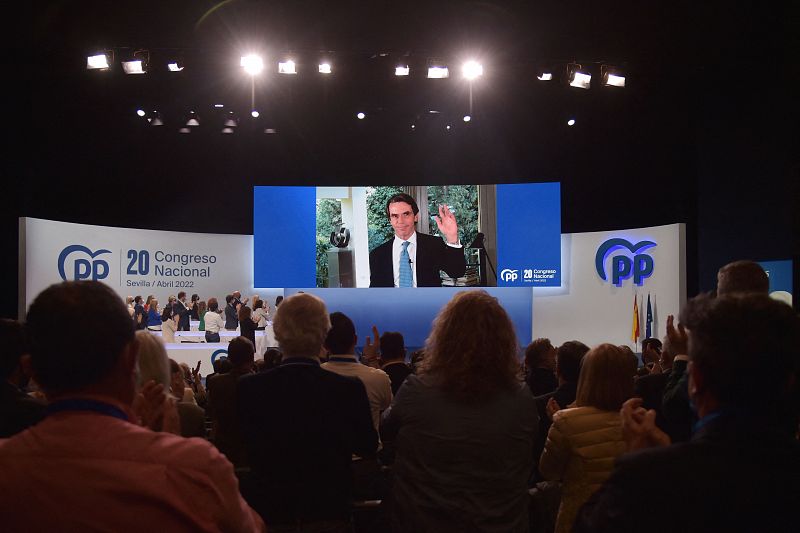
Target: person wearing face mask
[414,259]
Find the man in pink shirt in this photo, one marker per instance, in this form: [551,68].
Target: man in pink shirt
[90,465]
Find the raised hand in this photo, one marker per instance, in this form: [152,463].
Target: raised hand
[446,222]
[370,356]
[677,341]
[639,428]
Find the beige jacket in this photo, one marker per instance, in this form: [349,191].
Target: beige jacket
[580,451]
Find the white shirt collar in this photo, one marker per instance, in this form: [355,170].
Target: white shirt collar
[412,239]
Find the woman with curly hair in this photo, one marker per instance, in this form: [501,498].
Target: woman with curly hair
[464,427]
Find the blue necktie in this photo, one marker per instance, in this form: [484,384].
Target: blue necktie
[406,277]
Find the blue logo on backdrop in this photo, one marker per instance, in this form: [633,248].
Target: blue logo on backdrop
[623,267]
[82,268]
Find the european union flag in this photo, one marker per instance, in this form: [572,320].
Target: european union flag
[649,322]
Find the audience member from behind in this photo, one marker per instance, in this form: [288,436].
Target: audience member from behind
[739,471]
[169,323]
[584,440]
[272,358]
[225,433]
[540,366]
[88,465]
[393,358]
[650,388]
[568,365]
[341,345]
[17,410]
[738,277]
[192,415]
[464,428]
[301,426]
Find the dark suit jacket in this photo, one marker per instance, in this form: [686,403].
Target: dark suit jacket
[397,372]
[735,475]
[225,432]
[650,389]
[301,424]
[433,255]
[182,311]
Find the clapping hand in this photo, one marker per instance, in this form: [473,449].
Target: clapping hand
[370,355]
[677,341]
[639,427]
[447,224]
[156,409]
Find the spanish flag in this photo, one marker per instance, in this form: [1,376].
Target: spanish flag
[635,329]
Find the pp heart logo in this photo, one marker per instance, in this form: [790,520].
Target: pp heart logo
[77,262]
[640,266]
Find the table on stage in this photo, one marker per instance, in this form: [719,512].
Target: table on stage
[191,346]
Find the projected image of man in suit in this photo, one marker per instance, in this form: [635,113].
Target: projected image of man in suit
[414,259]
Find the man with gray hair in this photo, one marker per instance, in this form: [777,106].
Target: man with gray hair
[301,426]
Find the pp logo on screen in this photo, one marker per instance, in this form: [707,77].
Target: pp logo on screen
[82,263]
[640,266]
[509,275]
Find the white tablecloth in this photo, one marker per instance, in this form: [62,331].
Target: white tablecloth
[264,339]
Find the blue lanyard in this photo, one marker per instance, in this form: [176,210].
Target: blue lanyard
[80,404]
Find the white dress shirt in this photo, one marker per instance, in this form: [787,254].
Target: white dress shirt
[214,322]
[397,248]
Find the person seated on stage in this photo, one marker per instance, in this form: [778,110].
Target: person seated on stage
[585,439]
[231,313]
[225,432]
[214,322]
[412,259]
[341,345]
[463,429]
[153,316]
[247,326]
[18,410]
[393,358]
[739,471]
[89,465]
[302,425]
[540,367]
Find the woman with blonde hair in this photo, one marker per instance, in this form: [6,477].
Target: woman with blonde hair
[464,428]
[584,440]
[153,316]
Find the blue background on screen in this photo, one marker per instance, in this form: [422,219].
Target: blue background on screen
[411,311]
[284,236]
[529,234]
[780,275]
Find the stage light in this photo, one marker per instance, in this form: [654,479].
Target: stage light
[174,66]
[472,69]
[448,127]
[185,130]
[100,61]
[227,130]
[360,115]
[438,72]
[612,76]
[219,106]
[155,119]
[577,77]
[571,122]
[270,131]
[287,67]
[325,68]
[231,121]
[545,76]
[413,127]
[254,113]
[193,119]
[135,66]
[467,118]
[252,64]
[140,112]
[402,70]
